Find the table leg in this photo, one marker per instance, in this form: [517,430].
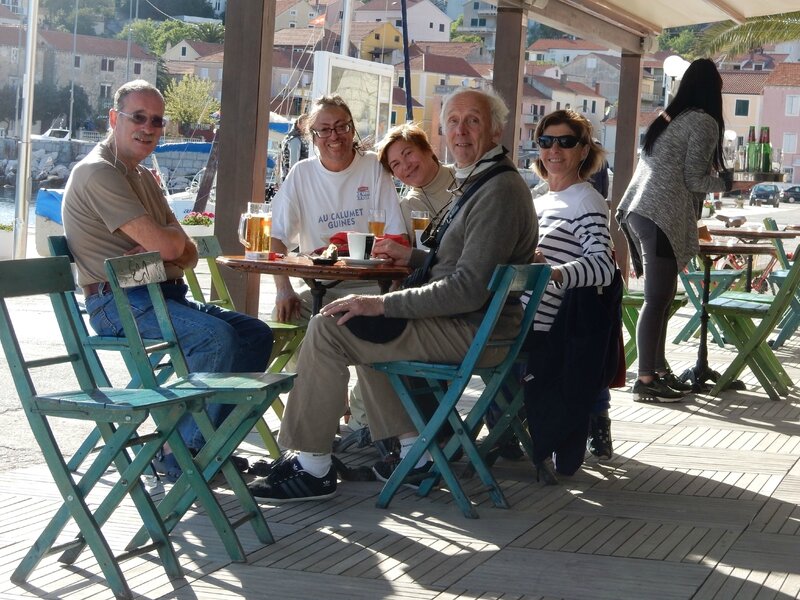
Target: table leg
[700,374]
[317,295]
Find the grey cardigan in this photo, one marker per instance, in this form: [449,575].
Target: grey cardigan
[495,226]
[670,184]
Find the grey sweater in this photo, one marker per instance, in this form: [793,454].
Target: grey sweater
[669,185]
[496,226]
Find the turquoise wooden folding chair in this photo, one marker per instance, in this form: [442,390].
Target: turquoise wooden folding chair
[692,279]
[631,307]
[58,246]
[507,279]
[250,393]
[738,317]
[117,415]
[791,320]
[287,337]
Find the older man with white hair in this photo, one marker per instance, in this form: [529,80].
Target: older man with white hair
[433,321]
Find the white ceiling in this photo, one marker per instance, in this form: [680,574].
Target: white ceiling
[620,22]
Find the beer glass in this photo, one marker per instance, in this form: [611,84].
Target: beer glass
[419,222]
[377,221]
[255,229]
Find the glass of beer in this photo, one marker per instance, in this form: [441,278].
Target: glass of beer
[419,221]
[377,221]
[255,230]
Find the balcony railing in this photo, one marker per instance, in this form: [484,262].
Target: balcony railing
[530,119]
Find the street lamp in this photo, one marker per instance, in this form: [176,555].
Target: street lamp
[674,68]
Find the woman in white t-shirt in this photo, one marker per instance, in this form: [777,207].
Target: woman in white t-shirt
[329,193]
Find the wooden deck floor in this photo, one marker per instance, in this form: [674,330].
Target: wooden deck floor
[700,501]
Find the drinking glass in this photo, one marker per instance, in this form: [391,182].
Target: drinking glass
[255,230]
[419,221]
[377,221]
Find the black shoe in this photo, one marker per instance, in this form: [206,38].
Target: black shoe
[655,392]
[384,469]
[510,449]
[599,443]
[676,384]
[288,482]
[261,467]
[166,466]
[240,463]
[545,472]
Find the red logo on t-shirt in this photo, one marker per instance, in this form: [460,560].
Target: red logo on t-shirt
[362,194]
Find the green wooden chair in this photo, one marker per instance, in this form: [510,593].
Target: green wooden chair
[448,382]
[791,320]
[631,307]
[692,279]
[287,337]
[58,246]
[250,393]
[117,414]
[747,324]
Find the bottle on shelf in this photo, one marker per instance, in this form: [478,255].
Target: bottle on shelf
[752,150]
[765,151]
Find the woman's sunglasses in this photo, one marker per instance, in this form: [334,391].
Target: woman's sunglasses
[564,141]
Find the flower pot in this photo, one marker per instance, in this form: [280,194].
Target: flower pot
[198,230]
[705,213]
[6,244]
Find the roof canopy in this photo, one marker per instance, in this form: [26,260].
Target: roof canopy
[632,24]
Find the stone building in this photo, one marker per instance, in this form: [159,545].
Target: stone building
[98,65]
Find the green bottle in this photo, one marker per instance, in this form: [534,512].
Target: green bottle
[765,151]
[752,150]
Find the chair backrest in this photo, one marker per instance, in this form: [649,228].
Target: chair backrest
[530,280]
[786,292]
[780,251]
[34,277]
[136,270]
[208,248]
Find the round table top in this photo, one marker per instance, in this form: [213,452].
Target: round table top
[299,266]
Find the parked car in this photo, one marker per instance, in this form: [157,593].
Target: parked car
[790,194]
[765,193]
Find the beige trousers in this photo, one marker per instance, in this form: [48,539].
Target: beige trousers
[314,405]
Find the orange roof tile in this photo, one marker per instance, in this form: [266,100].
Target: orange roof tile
[743,82]
[784,75]
[90,44]
[564,44]
[449,65]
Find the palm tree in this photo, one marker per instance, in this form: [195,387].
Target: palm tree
[729,37]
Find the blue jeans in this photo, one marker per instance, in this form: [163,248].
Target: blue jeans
[213,340]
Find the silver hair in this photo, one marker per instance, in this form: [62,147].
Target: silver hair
[497,106]
[137,85]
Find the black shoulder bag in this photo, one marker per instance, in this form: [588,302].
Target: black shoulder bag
[420,276]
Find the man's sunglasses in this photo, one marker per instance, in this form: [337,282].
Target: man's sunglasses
[141,119]
[565,141]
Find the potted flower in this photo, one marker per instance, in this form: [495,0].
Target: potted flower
[6,240]
[708,209]
[198,223]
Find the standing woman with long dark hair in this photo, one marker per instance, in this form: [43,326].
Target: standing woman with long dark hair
[681,162]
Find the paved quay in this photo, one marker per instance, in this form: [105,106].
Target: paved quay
[700,501]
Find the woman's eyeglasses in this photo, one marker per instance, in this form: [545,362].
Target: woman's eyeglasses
[564,141]
[141,119]
[327,132]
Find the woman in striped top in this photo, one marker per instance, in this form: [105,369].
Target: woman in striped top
[574,238]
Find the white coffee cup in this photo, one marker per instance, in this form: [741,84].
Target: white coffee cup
[360,244]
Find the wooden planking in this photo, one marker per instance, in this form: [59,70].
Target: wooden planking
[581,577]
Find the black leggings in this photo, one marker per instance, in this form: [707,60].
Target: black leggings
[660,284]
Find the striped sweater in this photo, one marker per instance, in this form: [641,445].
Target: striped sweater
[574,238]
